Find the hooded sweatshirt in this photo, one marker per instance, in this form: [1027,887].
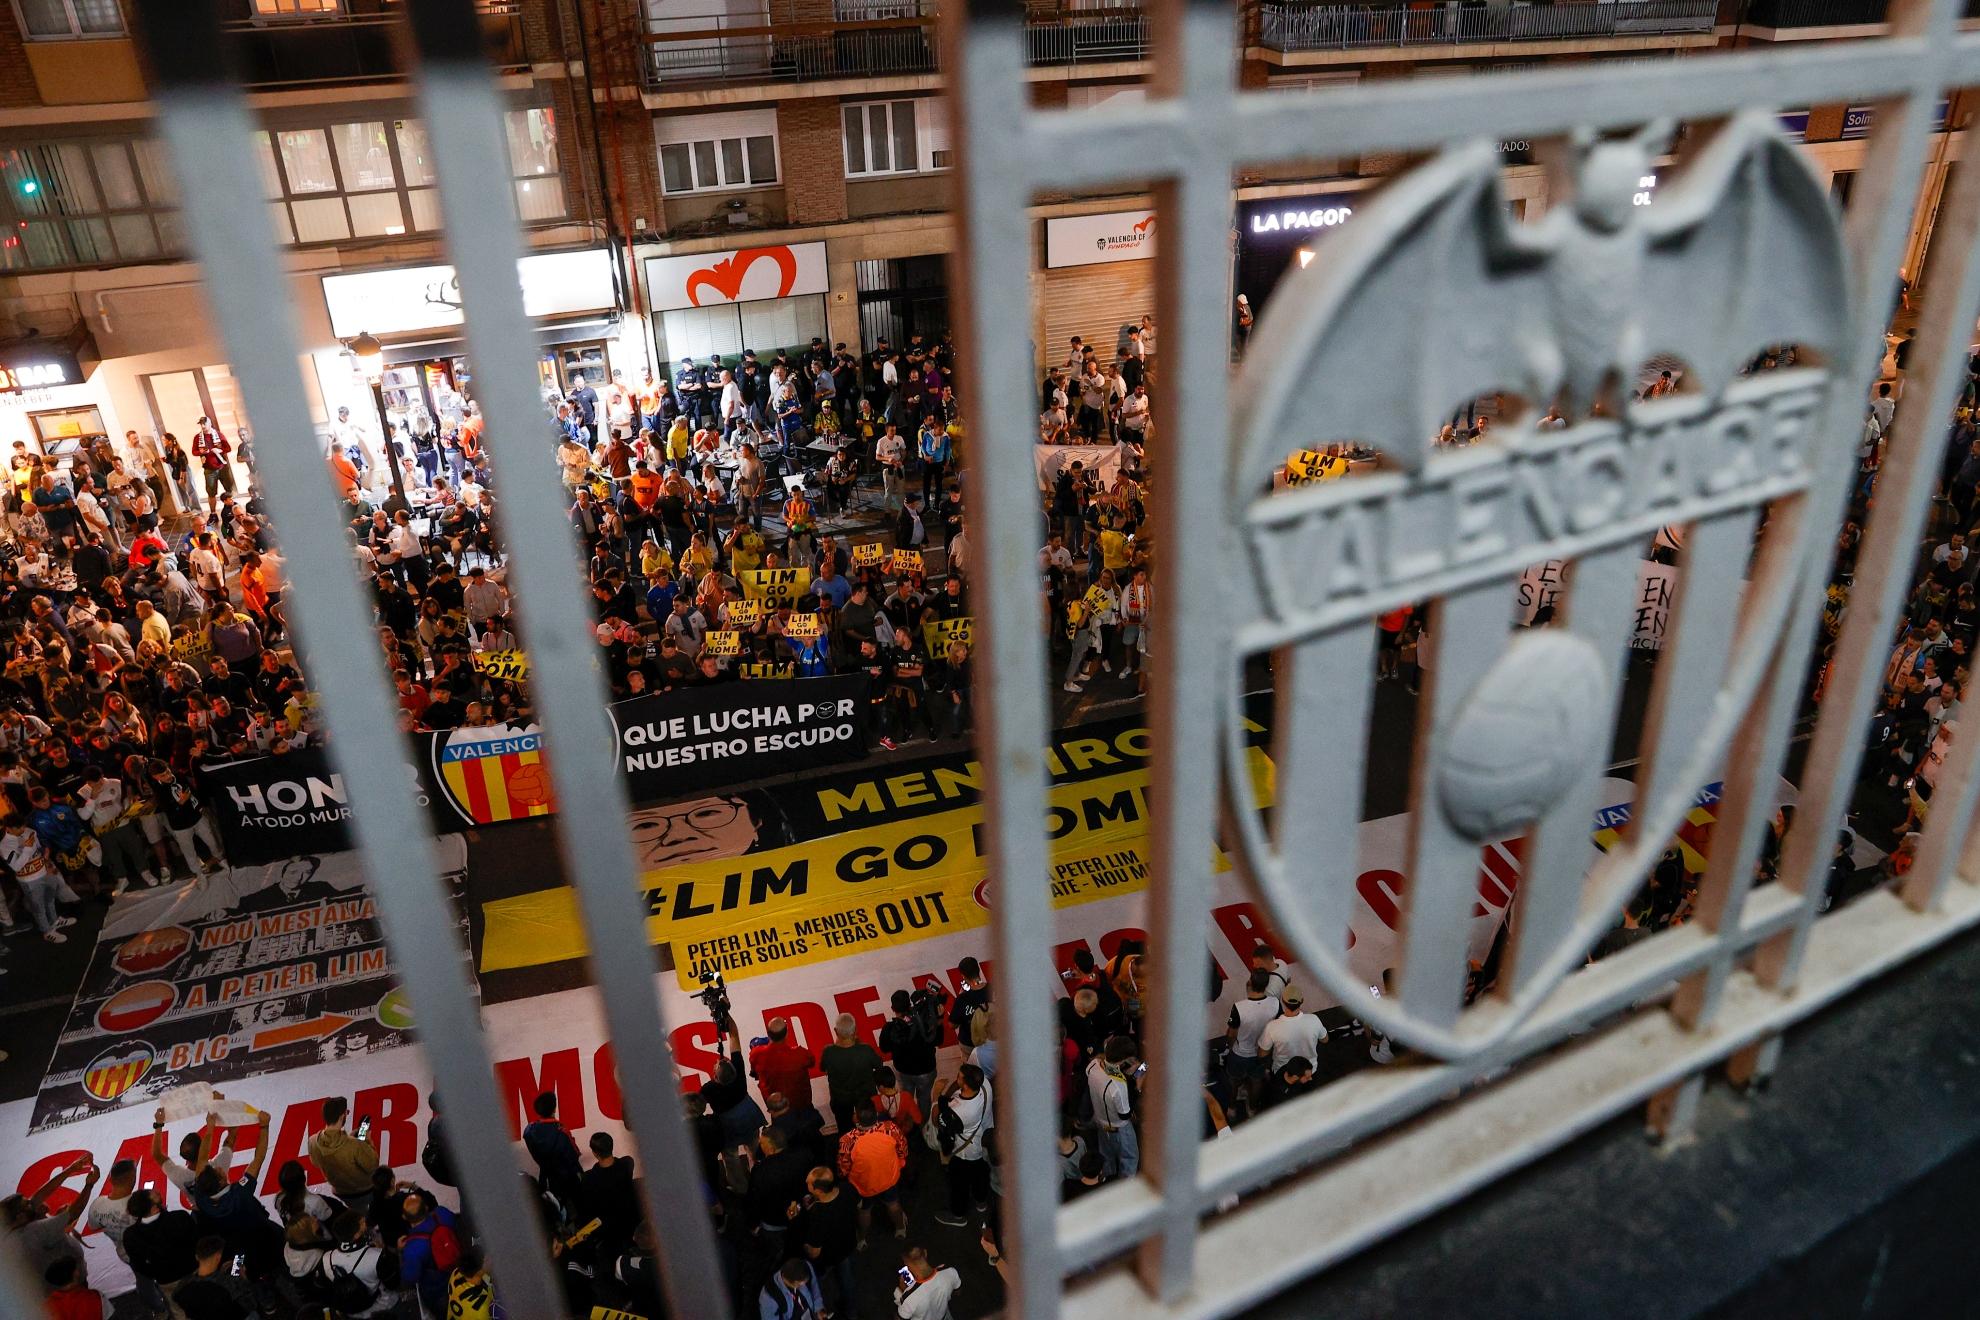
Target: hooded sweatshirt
[347,1163]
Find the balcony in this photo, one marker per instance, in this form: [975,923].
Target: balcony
[351,45]
[783,42]
[1307,27]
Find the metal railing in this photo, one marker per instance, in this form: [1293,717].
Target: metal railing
[1490,1086]
[1297,27]
[867,39]
[305,50]
[1814,13]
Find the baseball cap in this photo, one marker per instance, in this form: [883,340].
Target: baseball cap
[1292,997]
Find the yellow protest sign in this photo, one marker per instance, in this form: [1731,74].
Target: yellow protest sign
[1099,599]
[907,561]
[1305,467]
[764,669]
[938,633]
[745,613]
[725,642]
[803,627]
[509,664]
[869,555]
[887,884]
[193,645]
[608,1313]
[780,587]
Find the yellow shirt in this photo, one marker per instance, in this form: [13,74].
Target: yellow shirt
[155,629]
[677,439]
[1113,549]
[653,558]
[696,563]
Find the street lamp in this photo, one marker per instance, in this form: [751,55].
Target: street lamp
[370,355]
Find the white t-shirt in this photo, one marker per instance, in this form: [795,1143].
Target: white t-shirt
[1109,1095]
[974,1114]
[24,854]
[929,1299]
[1286,1037]
[1250,1016]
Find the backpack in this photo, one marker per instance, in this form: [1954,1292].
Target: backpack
[444,1247]
[347,1292]
[943,1130]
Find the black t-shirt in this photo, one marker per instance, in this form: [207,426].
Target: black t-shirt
[912,1052]
[968,1004]
[775,1183]
[210,1299]
[832,1227]
[607,1192]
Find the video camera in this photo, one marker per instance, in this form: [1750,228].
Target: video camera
[714,996]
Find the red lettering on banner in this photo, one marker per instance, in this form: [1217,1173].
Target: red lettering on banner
[1110,943]
[37,1174]
[1382,891]
[391,1109]
[695,1053]
[813,1031]
[1244,926]
[520,1084]
[605,1084]
[1062,955]
[866,1025]
[138,1151]
[300,1121]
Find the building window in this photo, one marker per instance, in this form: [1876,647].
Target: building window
[69,20]
[894,137]
[85,203]
[714,153]
[533,162]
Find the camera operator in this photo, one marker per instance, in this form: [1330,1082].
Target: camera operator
[727,1094]
[911,1037]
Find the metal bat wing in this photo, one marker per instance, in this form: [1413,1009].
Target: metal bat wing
[1432,296]
[1742,254]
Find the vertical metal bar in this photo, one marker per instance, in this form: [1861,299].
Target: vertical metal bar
[1910,467]
[1325,688]
[984,45]
[1195,63]
[1877,229]
[1601,598]
[1704,616]
[1468,632]
[21,1292]
[464,114]
[207,128]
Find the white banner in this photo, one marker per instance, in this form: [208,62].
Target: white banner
[1051,459]
[1093,240]
[753,274]
[415,298]
[1541,585]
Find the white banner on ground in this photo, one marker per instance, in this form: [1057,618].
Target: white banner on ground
[1104,459]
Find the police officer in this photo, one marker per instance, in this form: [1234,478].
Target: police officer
[689,384]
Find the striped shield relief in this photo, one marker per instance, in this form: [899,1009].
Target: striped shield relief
[117,1070]
[1437,296]
[493,774]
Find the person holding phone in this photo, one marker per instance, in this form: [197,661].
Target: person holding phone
[792,1293]
[925,1288]
[347,1161]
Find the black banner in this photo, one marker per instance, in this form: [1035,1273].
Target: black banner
[249,970]
[693,740]
[696,739]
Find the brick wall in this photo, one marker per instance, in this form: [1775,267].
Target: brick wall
[812,157]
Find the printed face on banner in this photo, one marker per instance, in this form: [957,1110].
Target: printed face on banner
[692,831]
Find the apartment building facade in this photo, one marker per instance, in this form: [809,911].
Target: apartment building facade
[696,176]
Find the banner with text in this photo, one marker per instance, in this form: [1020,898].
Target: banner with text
[705,737]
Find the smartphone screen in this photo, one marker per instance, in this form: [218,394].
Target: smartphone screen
[364,1129]
[240,1263]
[907,1276]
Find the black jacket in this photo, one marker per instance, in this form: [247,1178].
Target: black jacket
[161,1249]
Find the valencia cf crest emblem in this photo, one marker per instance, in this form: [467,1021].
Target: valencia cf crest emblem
[115,1071]
[1437,296]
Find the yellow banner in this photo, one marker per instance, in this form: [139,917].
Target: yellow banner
[869,555]
[509,664]
[724,642]
[1098,598]
[744,613]
[1304,467]
[803,627]
[775,586]
[761,669]
[938,633]
[887,884]
[907,561]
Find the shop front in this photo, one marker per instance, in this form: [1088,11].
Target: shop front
[1278,234]
[1099,276]
[762,298]
[50,401]
[415,312]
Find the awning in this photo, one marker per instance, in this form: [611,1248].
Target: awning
[605,326]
